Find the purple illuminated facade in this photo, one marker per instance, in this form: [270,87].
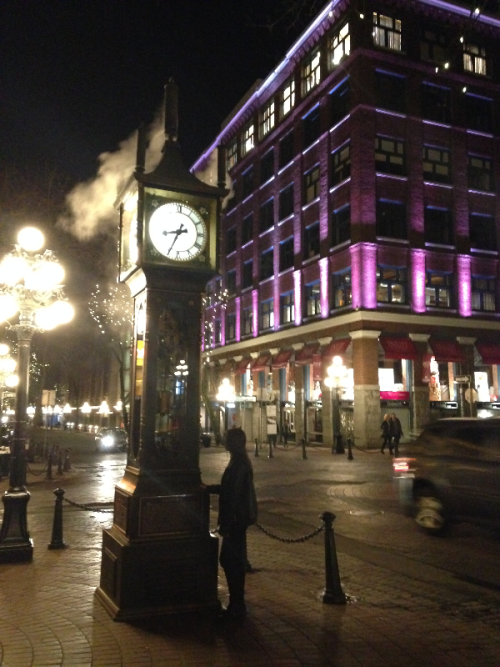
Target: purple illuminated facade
[363,215]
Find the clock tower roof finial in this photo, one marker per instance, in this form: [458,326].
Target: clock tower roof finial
[171,110]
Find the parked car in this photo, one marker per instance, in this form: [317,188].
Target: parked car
[451,471]
[111,438]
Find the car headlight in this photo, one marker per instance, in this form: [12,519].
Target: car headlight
[108,441]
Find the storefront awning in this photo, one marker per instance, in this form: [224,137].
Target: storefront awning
[399,348]
[262,361]
[282,358]
[447,350]
[490,352]
[242,365]
[336,348]
[306,354]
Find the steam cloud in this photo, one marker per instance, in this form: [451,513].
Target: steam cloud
[91,204]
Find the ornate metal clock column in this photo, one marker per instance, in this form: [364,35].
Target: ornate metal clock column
[159,556]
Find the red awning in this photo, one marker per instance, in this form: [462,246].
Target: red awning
[447,350]
[399,348]
[242,365]
[490,352]
[305,355]
[282,358]
[262,361]
[336,348]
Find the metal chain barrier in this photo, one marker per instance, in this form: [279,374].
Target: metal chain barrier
[290,540]
[32,472]
[89,508]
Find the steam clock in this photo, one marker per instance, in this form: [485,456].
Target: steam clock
[158,556]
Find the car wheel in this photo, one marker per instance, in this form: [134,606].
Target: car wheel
[430,513]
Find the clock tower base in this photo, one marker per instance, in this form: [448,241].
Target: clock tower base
[159,557]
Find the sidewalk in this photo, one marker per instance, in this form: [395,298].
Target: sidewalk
[49,616]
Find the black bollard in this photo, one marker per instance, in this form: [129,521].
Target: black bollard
[256,450]
[60,463]
[339,447]
[333,590]
[349,449]
[304,453]
[270,455]
[49,467]
[67,462]
[57,541]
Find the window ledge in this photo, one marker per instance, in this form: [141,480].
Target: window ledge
[247,198]
[263,280]
[392,239]
[393,304]
[445,246]
[286,166]
[489,193]
[494,253]
[340,309]
[342,245]
[266,231]
[310,260]
[397,177]
[388,112]
[478,133]
[288,217]
[285,271]
[269,180]
[436,123]
[310,203]
[441,309]
[308,148]
[337,185]
[436,184]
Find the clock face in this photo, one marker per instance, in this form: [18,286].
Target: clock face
[177,231]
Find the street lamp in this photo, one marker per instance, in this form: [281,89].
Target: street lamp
[336,374]
[86,410]
[103,410]
[30,283]
[226,394]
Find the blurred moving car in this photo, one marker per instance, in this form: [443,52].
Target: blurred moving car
[451,471]
[111,438]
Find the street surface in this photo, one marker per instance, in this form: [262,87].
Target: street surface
[414,599]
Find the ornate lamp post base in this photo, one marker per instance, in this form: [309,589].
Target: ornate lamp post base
[16,546]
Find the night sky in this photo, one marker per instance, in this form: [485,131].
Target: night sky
[78,76]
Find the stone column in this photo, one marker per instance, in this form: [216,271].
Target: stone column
[299,399]
[467,368]
[367,414]
[420,406]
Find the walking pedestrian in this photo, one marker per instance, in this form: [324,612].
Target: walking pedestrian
[237,511]
[396,432]
[385,428]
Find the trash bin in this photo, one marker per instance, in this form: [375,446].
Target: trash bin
[206,439]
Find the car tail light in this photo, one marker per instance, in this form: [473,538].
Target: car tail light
[403,465]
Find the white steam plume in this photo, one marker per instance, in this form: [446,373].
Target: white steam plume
[90,204]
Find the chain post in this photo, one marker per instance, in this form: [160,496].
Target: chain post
[256,450]
[304,453]
[270,455]
[57,541]
[49,467]
[333,590]
[349,449]
[67,462]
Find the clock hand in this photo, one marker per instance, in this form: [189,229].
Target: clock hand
[178,232]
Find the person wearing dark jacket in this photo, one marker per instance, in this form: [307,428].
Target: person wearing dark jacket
[385,429]
[396,434]
[237,511]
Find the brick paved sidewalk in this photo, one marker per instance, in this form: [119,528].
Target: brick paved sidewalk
[49,616]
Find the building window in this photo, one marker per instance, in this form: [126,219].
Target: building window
[311,241]
[390,156]
[475,59]
[231,326]
[287,149]
[231,240]
[311,126]
[341,225]
[482,232]
[267,119]
[247,229]
[287,308]
[483,293]
[391,285]
[247,183]
[288,97]
[390,91]
[248,139]
[267,315]
[312,299]
[311,185]
[267,264]
[232,154]
[438,289]
[480,174]
[247,274]
[436,164]
[286,202]
[286,254]
[386,31]
[231,281]
[436,104]
[340,102]
[433,46]
[266,215]
[267,166]
[247,321]
[218,331]
[342,289]
[311,73]
[339,45]
[341,164]
[438,226]
[391,219]
[479,113]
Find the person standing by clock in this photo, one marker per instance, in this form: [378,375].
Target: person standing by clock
[237,511]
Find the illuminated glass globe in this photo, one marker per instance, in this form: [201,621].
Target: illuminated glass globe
[30,239]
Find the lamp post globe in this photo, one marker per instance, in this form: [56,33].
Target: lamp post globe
[30,283]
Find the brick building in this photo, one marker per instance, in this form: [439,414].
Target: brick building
[362,222]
